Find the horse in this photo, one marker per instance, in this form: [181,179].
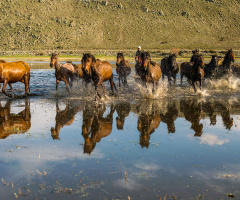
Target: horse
[10,85]
[210,69]
[169,67]
[194,71]
[12,72]
[64,118]
[97,71]
[12,123]
[194,56]
[151,71]
[225,68]
[138,65]
[97,126]
[63,72]
[123,69]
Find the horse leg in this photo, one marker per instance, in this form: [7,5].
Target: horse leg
[120,77]
[112,84]
[200,84]
[104,89]
[10,85]
[4,87]
[193,84]
[26,84]
[66,82]
[57,83]
[181,78]
[154,84]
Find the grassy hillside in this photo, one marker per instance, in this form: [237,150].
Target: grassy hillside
[118,24]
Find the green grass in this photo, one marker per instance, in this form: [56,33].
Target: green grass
[77,24]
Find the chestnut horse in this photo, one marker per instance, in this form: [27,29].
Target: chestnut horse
[123,69]
[150,71]
[97,71]
[210,69]
[194,71]
[10,85]
[169,67]
[63,72]
[12,72]
[225,68]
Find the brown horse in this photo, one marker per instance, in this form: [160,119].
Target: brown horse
[63,72]
[96,126]
[64,118]
[194,71]
[97,71]
[236,70]
[12,123]
[169,67]
[12,72]
[225,68]
[150,71]
[10,85]
[123,69]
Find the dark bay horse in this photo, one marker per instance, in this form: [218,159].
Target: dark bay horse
[123,68]
[63,72]
[138,65]
[97,71]
[150,71]
[169,67]
[12,72]
[194,56]
[210,69]
[225,68]
[194,71]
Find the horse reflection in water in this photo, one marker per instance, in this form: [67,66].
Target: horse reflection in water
[225,114]
[148,120]
[170,116]
[95,125]
[123,109]
[193,112]
[64,118]
[12,123]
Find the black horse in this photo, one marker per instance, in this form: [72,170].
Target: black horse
[210,69]
[169,67]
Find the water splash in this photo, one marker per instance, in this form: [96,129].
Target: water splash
[223,83]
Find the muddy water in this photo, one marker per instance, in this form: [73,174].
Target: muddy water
[130,145]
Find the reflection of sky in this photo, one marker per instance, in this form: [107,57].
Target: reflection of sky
[179,155]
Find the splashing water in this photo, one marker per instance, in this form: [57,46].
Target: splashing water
[160,90]
[223,83]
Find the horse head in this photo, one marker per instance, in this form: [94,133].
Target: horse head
[145,59]
[172,61]
[54,59]
[231,55]
[88,62]
[120,58]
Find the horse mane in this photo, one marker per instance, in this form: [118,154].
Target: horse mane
[88,55]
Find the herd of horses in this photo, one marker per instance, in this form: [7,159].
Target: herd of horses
[94,71]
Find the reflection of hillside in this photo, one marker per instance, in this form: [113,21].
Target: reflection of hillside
[95,125]
[64,118]
[148,120]
[11,123]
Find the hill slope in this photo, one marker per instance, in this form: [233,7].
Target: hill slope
[115,24]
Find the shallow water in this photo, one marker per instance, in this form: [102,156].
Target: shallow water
[133,144]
